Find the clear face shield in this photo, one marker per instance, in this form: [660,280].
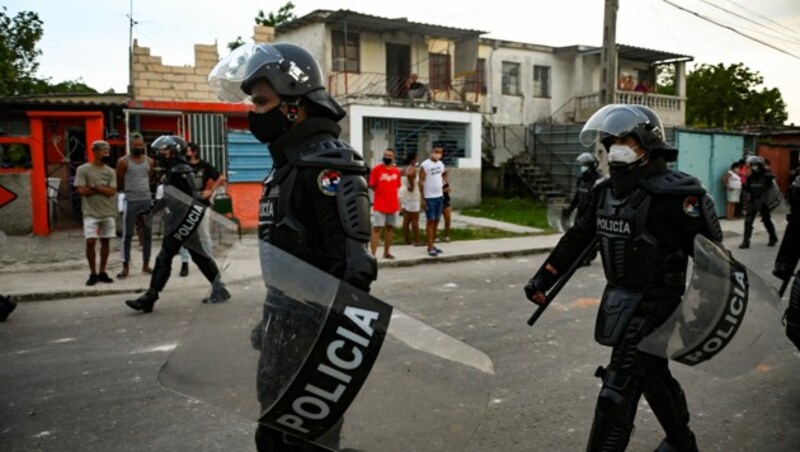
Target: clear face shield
[611,120]
[227,76]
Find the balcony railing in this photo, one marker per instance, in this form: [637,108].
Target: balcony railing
[379,85]
[671,109]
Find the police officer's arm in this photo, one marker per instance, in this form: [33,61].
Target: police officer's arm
[569,248]
[693,215]
[574,203]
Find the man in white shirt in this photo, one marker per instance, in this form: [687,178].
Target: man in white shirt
[431,188]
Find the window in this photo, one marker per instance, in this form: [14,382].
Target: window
[476,81]
[511,79]
[440,71]
[541,81]
[345,52]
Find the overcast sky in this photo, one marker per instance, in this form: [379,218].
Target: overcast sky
[88,39]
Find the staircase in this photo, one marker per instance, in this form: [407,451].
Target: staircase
[536,179]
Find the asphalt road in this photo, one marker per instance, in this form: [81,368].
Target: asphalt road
[81,374]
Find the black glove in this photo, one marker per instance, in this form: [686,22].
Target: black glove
[542,281]
[782,270]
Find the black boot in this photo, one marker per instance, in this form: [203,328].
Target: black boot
[689,445]
[219,294]
[145,302]
[6,307]
[773,239]
[745,244]
[184,269]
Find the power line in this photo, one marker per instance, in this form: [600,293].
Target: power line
[749,20]
[762,16]
[732,29]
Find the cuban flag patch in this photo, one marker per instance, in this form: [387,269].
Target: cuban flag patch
[328,181]
[691,206]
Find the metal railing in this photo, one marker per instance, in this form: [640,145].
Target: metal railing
[587,104]
[381,85]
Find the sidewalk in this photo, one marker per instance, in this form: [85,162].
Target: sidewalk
[54,267]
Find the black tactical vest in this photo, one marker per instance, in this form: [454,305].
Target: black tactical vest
[628,251]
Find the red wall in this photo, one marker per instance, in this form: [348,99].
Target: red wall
[245,197]
[779,163]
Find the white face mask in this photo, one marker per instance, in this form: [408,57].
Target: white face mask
[622,154]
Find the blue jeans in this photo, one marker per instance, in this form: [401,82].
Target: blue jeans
[433,208]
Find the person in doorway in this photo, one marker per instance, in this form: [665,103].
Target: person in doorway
[96,184]
[384,180]
[431,187]
[410,201]
[134,176]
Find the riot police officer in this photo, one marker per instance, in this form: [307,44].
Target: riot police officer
[586,181]
[786,261]
[645,218]
[756,186]
[315,202]
[180,175]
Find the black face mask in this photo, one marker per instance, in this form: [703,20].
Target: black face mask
[267,127]
[387,161]
[137,151]
[107,160]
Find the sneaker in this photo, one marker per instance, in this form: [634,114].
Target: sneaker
[438,250]
[103,277]
[144,303]
[147,270]
[219,294]
[433,253]
[184,269]
[92,280]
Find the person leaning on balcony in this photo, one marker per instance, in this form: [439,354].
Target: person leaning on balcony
[415,89]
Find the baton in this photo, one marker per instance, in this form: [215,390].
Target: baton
[783,286]
[561,282]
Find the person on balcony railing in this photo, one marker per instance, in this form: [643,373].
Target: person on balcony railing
[417,90]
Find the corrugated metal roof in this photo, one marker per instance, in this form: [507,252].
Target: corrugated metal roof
[369,22]
[651,56]
[64,100]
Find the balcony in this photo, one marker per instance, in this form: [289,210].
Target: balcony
[373,88]
[671,109]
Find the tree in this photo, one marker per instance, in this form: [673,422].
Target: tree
[285,14]
[727,97]
[18,53]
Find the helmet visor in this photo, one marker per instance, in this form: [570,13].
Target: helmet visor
[227,76]
[611,120]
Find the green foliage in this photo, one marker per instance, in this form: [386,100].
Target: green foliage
[19,38]
[665,80]
[727,97]
[285,14]
[18,53]
[522,211]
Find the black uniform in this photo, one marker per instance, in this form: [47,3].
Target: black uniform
[756,186]
[585,183]
[183,225]
[315,205]
[786,261]
[646,235]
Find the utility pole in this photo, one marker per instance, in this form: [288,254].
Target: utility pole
[608,55]
[131,24]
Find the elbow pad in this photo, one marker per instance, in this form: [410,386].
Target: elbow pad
[362,267]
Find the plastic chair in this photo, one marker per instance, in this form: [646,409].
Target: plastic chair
[223,205]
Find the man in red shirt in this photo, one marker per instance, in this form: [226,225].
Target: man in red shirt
[384,180]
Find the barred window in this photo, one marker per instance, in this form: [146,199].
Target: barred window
[345,52]
[511,78]
[541,81]
[439,71]
[476,81]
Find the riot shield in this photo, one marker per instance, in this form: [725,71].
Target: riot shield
[558,220]
[773,196]
[728,320]
[339,368]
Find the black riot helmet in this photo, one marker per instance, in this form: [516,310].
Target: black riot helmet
[587,159]
[620,120]
[290,70]
[756,163]
[175,145]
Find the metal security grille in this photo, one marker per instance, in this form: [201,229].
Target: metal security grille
[208,131]
[410,135]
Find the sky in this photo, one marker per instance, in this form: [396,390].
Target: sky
[88,39]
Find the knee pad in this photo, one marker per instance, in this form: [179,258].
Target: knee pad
[617,394]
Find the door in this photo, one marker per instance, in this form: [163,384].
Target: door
[398,68]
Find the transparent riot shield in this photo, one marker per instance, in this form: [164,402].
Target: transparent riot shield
[558,220]
[773,196]
[728,320]
[338,367]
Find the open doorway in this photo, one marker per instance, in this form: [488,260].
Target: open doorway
[398,68]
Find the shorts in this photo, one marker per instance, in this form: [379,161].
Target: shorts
[104,228]
[434,208]
[734,195]
[410,205]
[380,219]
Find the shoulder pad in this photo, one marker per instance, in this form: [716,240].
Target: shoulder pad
[181,168]
[330,153]
[796,182]
[674,183]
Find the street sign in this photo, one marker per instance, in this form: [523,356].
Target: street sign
[6,196]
